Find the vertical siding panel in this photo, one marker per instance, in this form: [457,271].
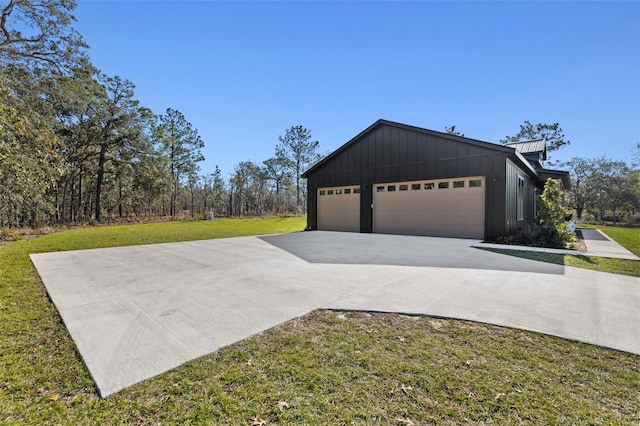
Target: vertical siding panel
[511,178]
[512,222]
[474,161]
[395,146]
[403,157]
[312,202]
[371,164]
[412,143]
[431,149]
[377,139]
[451,149]
[441,150]
[440,155]
[387,144]
[451,169]
[462,160]
[421,148]
[493,166]
[373,150]
[353,155]
[530,203]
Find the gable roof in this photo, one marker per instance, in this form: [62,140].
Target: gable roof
[532,146]
[382,122]
[539,146]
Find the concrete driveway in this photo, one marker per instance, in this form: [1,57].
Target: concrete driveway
[136,312]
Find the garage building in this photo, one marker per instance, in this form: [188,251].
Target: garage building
[399,179]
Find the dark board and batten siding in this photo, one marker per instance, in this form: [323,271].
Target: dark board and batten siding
[512,224]
[388,153]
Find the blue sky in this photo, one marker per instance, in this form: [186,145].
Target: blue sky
[244,72]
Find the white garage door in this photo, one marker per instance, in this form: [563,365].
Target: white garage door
[339,209]
[439,208]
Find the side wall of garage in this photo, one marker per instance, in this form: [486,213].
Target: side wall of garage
[520,193]
[388,153]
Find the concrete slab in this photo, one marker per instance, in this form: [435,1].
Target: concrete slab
[384,249]
[136,312]
[598,244]
[593,235]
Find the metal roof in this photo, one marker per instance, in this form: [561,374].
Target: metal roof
[526,147]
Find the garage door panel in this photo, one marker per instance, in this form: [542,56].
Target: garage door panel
[339,210]
[443,212]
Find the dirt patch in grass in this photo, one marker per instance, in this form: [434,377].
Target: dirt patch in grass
[580,244]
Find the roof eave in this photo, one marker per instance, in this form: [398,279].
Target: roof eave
[524,161]
[556,174]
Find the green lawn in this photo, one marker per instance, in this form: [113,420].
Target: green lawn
[627,237]
[324,368]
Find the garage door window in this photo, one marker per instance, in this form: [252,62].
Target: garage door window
[415,187]
[330,192]
[356,190]
[443,185]
[338,191]
[458,184]
[323,192]
[391,188]
[404,187]
[347,191]
[475,183]
[380,189]
[428,186]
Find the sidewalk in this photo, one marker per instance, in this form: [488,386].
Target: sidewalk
[598,244]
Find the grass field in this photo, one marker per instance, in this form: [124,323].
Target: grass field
[627,237]
[324,368]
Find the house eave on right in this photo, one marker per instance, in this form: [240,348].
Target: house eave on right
[559,175]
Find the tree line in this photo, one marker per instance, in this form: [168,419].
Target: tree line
[76,146]
[603,189]
[276,185]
